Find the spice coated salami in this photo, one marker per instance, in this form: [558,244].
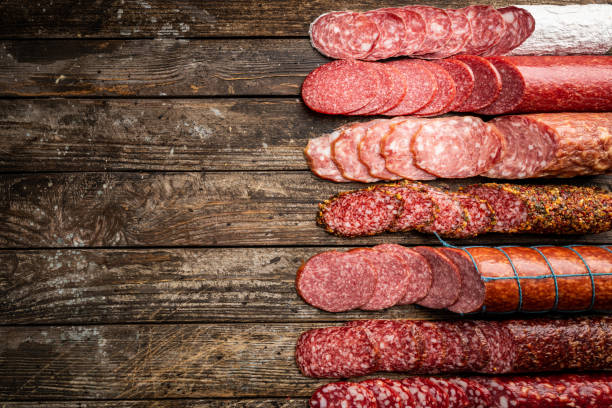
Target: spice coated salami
[462,280]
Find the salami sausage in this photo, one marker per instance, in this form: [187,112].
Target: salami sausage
[384,86]
[472,290]
[343,395]
[445,94]
[344,34]
[369,149]
[446,279]
[396,148]
[451,217]
[420,275]
[519,26]
[438,28]
[480,215]
[418,208]
[599,262]
[487,25]
[462,76]
[392,32]
[318,155]
[415,30]
[461,34]
[488,80]
[512,88]
[421,86]
[385,396]
[345,153]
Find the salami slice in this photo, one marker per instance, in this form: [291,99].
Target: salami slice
[335,352]
[406,397]
[418,209]
[396,148]
[344,34]
[438,25]
[475,345]
[462,76]
[384,83]
[461,34]
[358,213]
[455,358]
[519,26]
[481,218]
[442,147]
[512,89]
[392,32]
[477,394]
[472,292]
[510,211]
[343,395]
[446,279]
[488,26]
[445,94]
[457,397]
[415,29]
[345,153]
[369,149]
[318,155]
[386,397]
[396,91]
[336,281]
[501,346]
[340,87]
[419,272]
[451,218]
[425,393]
[488,80]
[421,86]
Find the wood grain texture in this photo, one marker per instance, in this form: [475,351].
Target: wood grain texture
[178,285]
[139,134]
[195,209]
[184,18]
[173,403]
[155,68]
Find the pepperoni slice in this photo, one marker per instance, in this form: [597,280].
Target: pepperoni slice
[344,34]
[445,94]
[421,86]
[488,80]
[462,76]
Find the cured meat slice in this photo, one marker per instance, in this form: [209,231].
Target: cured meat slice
[345,153]
[406,397]
[442,147]
[415,29]
[472,292]
[510,211]
[454,357]
[475,345]
[392,278]
[384,83]
[462,76]
[418,209]
[396,148]
[421,86]
[344,34]
[340,87]
[318,155]
[519,26]
[461,34]
[600,262]
[445,94]
[386,397]
[432,354]
[481,218]
[438,25]
[502,348]
[343,395]
[512,89]
[392,34]
[477,394]
[369,149]
[336,281]
[457,397]
[423,392]
[396,90]
[335,352]
[358,213]
[451,218]
[488,26]
[446,279]
[488,80]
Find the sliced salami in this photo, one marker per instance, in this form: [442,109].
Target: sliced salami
[502,348]
[477,394]
[318,155]
[481,217]
[343,395]
[512,89]
[475,345]
[488,26]
[358,213]
[424,392]
[455,358]
[344,34]
[510,211]
[384,83]
[438,25]
[340,87]
[446,279]
[445,94]
[396,148]
[406,397]
[472,292]
[462,76]
[461,34]
[451,218]
[392,34]
[418,209]
[419,272]
[336,281]
[488,80]
[421,86]
[386,397]
[369,149]
[345,153]
[519,26]
[416,30]
[396,91]
[457,397]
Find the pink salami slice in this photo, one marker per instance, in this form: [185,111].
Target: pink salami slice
[369,150]
[446,279]
[396,148]
[455,147]
[421,86]
[477,394]
[343,395]
[457,397]
[423,392]
[462,76]
[445,94]
[450,219]
[318,155]
[392,33]
[438,25]
[488,83]
[395,92]
[488,26]
[384,84]
[344,35]
[520,24]
[418,209]
[472,292]
[335,352]
[359,213]
[345,153]
[336,281]
[386,397]
[461,34]
[480,216]
[340,87]
[437,393]
[419,270]
[391,284]
[415,29]
[406,397]
[510,211]
[512,89]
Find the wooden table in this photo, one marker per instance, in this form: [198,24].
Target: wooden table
[155,203]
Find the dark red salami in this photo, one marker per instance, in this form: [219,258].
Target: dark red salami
[344,34]
[475,345]
[340,87]
[502,348]
[461,34]
[446,279]
[385,396]
[488,26]
[406,397]
[421,86]
[369,149]
[445,94]
[396,148]
[472,293]
[318,155]
[510,211]
[512,89]
[336,281]
[477,394]
[481,218]
[418,209]
[455,358]
[451,218]
[462,76]
[488,83]
[427,394]
[519,26]
[415,30]
[457,397]
[343,395]
[420,273]
[438,28]
[345,153]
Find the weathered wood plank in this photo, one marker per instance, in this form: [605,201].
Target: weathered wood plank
[179,285]
[119,134]
[173,403]
[155,68]
[193,209]
[163,18]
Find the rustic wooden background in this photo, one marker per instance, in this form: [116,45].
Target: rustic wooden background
[155,203]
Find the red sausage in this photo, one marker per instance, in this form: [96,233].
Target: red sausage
[488,83]
[446,281]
